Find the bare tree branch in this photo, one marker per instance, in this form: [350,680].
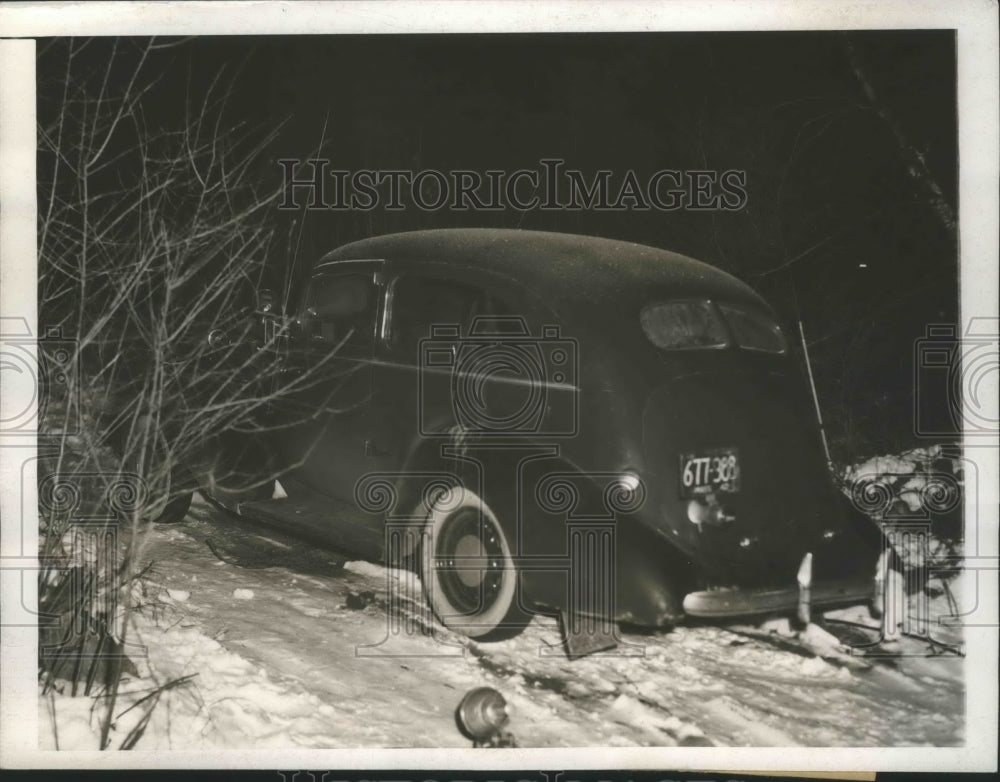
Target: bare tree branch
[916,165]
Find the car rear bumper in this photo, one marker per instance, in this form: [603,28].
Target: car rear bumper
[719,603]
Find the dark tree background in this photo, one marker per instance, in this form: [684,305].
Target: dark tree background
[848,141]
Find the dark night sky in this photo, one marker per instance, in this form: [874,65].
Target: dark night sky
[824,170]
[822,166]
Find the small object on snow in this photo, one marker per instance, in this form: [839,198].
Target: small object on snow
[180,595]
[482,716]
[356,601]
[243,594]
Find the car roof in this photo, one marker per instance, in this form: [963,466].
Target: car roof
[556,265]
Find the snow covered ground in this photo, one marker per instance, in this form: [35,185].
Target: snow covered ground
[273,643]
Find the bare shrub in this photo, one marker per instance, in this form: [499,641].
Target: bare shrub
[153,237]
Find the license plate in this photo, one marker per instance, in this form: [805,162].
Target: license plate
[710,471]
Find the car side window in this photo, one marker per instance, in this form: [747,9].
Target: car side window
[419,304]
[341,308]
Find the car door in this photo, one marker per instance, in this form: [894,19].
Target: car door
[325,401]
[428,317]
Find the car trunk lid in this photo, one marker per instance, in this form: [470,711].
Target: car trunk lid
[741,474]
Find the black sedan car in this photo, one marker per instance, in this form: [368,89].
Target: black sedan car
[557,423]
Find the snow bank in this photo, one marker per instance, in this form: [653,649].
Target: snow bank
[227,702]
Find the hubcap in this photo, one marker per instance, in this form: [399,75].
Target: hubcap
[469,561]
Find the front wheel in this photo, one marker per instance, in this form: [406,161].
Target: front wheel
[176,509]
[179,491]
[180,494]
[469,574]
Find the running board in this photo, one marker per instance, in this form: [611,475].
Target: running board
[326,521]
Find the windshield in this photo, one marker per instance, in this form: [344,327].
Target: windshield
[686,325]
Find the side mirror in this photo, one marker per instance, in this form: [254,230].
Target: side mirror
[267,302]
[301,326]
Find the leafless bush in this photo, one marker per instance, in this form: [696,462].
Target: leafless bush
[153,236]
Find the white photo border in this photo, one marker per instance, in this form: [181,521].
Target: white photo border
[979,107]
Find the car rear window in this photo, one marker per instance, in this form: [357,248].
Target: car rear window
[679,325]
[754,331]
[684,325]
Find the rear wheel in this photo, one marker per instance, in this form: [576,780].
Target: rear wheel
[469,574]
